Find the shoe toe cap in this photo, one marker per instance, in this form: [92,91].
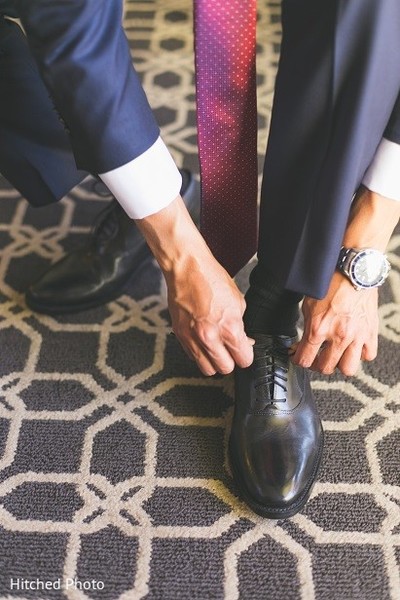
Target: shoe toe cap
[276,483]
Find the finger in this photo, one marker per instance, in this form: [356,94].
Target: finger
[225,345]
[210,348]
[222,360]
[220,357]
[370,349]
[350,361]
[196,354]
[225,353]
[329,356]
[207,337]
[239,346]
[204,364]
[307,351]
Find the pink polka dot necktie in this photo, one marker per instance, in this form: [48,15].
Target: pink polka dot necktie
[225,48]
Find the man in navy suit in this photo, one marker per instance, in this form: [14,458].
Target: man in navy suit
[335,126]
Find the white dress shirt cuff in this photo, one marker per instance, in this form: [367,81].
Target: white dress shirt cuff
[383,174]
[147,184]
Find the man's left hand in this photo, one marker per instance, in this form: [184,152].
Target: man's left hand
[339,330]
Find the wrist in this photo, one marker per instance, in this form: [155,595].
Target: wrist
[173,238]
[372,220]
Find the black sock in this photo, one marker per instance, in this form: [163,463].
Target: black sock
[270,308]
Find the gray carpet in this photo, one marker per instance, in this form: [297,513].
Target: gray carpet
[113,468]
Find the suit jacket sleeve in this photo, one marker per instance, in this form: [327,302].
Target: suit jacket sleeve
[85,61]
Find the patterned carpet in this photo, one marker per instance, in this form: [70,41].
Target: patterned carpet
[114,481]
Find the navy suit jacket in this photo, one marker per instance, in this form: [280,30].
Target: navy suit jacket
[85,61]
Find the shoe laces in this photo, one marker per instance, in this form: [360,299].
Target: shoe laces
[271,367]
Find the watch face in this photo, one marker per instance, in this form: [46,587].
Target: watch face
[369,268]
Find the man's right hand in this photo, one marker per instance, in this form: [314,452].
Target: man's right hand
[207,310]
[205,304]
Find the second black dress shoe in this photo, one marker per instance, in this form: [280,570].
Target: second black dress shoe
[97,272]
[276,439]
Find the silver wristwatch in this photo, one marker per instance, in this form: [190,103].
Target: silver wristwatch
[366,267]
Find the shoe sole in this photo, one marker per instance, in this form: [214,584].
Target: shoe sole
[191,193]
[276,513]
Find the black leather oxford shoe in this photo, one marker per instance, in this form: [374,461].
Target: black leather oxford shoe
[97,272]
[277,438]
